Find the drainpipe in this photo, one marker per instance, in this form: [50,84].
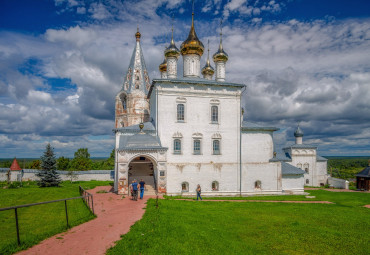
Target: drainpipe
[240,141]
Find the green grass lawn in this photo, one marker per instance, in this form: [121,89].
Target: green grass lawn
[191,227]
[39,222]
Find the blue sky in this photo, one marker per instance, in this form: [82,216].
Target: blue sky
[62,63]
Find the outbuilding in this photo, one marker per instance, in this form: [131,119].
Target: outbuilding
[363,179]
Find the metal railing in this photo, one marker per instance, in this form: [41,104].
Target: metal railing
[84,195]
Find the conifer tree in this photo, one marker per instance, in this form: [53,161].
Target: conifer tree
[48,175]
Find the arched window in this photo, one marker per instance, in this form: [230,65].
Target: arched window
[177,146]
[214,114]
[215,186]
[180,112]
[216,147]
[123,101]
[306,168]
[257,185]
[299,165]
[307,181]
[197,146]
[184,187]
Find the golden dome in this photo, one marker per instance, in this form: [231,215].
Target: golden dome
[137,35]
[163,66]
[208,69]
[172,50]
[192,45]
[220,55]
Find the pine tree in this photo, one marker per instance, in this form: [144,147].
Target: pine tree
[48,175]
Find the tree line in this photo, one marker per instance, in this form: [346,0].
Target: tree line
[80,162]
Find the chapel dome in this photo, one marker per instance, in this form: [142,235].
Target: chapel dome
[163,66]
[220,55]
[208,69]
[172,50]
[298,132]
[192,45]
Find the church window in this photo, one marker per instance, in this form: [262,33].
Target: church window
[215,186]
[306,166]
[307,181]
[197,146]
[216,147]
[161,173]
[180,112]
[123,101]
[299,165]
[184,187]
[257,185]
[177,146]
[214,114]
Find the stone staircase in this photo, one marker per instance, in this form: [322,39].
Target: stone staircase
[149,190]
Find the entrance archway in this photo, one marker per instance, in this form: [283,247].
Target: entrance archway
[142,167]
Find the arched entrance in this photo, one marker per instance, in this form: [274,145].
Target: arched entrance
[142,167]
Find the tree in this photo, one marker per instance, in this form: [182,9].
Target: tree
[109,163]
[72,175]
[48,175]
[63,163]
[82,160]
[36,164]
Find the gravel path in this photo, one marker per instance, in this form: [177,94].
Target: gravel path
[115,217]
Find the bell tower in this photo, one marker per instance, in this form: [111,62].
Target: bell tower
[132,106]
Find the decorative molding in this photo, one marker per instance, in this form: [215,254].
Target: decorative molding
[181,100]
[197,135]
[177,135]
[216,136]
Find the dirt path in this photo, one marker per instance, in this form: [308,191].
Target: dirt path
[115,217]
[267,201]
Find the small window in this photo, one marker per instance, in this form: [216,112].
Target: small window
[184,187]
[216,147]
[257,185]
[299,165]
[177,146]
[197,147]
[161,173]
[306,167]
[307,181]
[214,186]
[214,114]
[180,112]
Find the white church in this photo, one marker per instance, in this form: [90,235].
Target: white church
[178,132]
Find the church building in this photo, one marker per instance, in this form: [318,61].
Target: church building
[178,132]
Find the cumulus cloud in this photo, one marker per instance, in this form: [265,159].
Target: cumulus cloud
[314,72]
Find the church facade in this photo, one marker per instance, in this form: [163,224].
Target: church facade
[178,132]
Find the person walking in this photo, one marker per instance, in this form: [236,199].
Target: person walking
[142,186]
[199,190]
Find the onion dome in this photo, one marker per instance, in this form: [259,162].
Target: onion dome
[137,35]
[298,132]
[220,55]
[208,69]
[163,66]
[172,50]
[192,45]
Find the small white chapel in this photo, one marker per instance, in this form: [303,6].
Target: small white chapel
[178,132]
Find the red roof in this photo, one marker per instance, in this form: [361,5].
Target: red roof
[15,166]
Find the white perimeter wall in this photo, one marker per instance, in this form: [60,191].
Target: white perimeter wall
[293,183]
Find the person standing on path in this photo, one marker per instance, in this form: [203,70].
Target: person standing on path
[199,190]
[142,186]
[134,188]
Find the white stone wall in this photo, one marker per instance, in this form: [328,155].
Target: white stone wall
[257,146]
[198,101]
[338,183]
[322,172]
[30,175]
[293,183]
[303,156]
[269,174]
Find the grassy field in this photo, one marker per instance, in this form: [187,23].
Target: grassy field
[39,222]
[191,227]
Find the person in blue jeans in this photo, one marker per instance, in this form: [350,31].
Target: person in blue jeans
[134,186]
[199,190]
[142,186]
